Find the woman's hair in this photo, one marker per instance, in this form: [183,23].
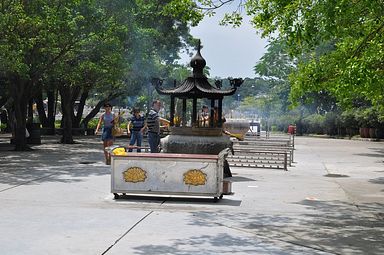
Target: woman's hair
[107,105]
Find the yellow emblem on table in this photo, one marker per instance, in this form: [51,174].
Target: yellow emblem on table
[134,174]
[195,177]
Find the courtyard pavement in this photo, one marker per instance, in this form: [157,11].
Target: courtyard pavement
[56,200]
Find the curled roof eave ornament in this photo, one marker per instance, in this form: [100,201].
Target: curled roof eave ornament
[197,85]
[191,85]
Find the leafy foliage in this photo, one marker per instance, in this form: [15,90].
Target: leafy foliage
[338,45]
[353,66]
[84,46]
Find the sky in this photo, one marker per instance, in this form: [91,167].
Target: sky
[229,52]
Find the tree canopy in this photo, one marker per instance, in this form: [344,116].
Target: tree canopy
[80,45]
[330,52]
[349,68]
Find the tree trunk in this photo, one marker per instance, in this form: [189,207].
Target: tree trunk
[21,92]
[80,109]
[30,111]
[51,110]
[40,108]
[75,92]
[67,110]
[46,120]
[3,100]
[92,114]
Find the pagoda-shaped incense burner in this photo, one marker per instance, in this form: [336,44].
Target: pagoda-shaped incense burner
[193,135]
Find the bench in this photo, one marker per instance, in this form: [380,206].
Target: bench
[262,153]
[259,159]
[290,139]
[255,148]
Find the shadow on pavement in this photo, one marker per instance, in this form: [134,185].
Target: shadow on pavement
[240,179]
[330,227]
[222,243]
[379,180]
[334,226]
[378,153]
[51,161]
[175,200]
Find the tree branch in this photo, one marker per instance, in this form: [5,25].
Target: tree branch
[215,6]
[370,36]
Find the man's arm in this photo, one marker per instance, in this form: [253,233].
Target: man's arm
[164,122]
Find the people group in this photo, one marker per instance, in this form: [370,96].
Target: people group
[137,125]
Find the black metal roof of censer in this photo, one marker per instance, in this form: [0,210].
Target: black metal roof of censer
[197,85]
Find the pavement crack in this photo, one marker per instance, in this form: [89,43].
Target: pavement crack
[347,195]
[129,230]
[26,182]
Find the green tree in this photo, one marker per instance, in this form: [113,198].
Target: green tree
[274,68]
[351,68]
[355,30]
[32,42]
[81,46]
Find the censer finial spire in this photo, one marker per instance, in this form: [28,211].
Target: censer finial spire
[198,62]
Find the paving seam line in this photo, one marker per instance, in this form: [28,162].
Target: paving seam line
[23,183]
[129,230]
[121,237]
[350,199]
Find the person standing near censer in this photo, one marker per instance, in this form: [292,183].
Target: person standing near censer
[153,125]
[107,119]
[136,128]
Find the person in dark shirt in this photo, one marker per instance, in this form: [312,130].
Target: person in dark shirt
[135,128]
[153,125]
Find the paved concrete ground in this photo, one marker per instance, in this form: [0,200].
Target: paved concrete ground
[55,200]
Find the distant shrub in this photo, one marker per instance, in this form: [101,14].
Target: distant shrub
[314,124]
[348,119]
[274,128]
[283,121]
[331,123]
[93,123]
